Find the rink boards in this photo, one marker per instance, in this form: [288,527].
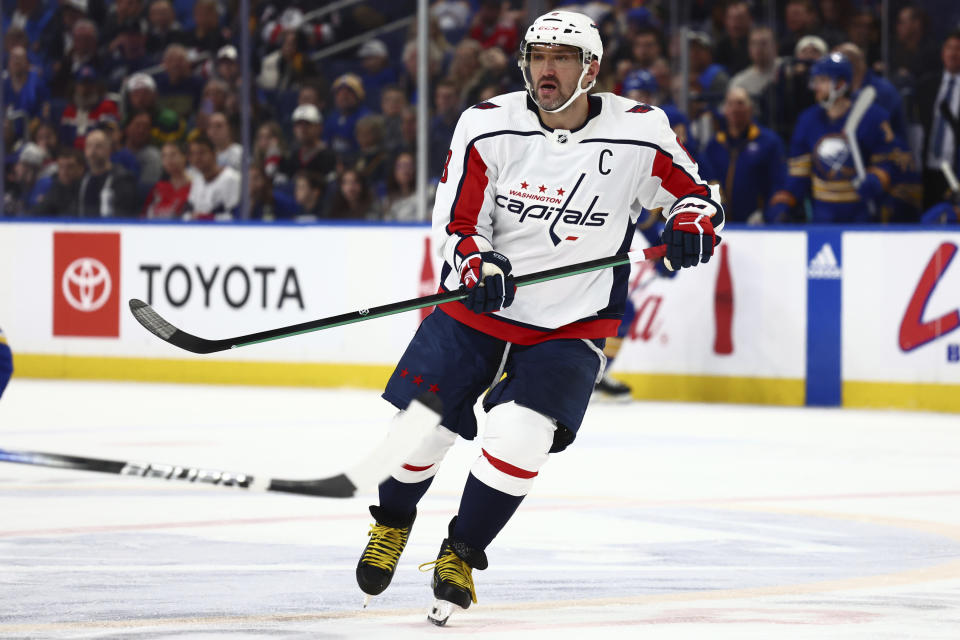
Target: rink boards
[818,316]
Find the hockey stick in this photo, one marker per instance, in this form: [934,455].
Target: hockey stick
[865,98]
[950,177]
[407,432]
[155,324]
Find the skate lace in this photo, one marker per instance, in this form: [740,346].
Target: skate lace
[450,568]
[386,545]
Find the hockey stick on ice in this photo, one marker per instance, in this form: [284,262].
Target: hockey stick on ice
[864,99]
[155,324]
[407,432]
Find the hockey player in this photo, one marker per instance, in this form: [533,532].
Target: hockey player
[6,362]
[820,161]
[532,180]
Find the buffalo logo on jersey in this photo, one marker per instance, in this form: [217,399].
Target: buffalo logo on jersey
[832,154]
[554,214]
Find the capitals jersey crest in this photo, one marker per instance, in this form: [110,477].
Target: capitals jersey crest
[548,198]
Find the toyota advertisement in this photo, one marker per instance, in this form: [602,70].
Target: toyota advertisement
[816,316]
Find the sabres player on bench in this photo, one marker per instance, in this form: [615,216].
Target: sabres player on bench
[533,180]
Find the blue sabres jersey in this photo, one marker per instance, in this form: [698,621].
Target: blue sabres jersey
[6,362]
[820,163]
[749,169]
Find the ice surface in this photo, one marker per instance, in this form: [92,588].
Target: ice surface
[661,521]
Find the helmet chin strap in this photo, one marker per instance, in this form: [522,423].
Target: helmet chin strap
[833,96]
[580,90]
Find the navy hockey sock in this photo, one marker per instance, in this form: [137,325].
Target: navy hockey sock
[484,511]
[401,498]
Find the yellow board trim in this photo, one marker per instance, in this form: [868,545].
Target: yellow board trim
[730,389]
[904,395]
[281,374]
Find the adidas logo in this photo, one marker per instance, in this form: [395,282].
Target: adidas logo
[824,265]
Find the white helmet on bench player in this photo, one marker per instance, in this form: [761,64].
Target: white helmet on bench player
[562,28]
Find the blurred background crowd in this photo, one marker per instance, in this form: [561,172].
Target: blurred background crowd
[131,108]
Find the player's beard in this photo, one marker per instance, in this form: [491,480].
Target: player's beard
[556,99]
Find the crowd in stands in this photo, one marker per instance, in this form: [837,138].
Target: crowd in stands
[132,108]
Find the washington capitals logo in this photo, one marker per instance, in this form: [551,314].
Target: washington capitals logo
[486,105]
[550,207]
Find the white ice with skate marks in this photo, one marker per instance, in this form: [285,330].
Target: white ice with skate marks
[670,521]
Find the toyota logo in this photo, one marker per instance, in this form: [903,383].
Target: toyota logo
[86,284]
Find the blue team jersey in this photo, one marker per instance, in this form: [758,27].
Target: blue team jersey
[820,163]
[749,169]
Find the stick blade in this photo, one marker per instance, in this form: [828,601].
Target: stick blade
[155,324]
[338,486]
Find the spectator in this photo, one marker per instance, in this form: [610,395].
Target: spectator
[800,19]
[88,110]
[62,198]
[938,106]
[45,137]
[128,53]
[121,16]
[887,95]
[864,32]
[835,16]
[465,70]
[119,154]
[451,15]
[206,35]
[352,198]
[408,79]
[177,88]
[288,66]
[494,27]
[645,47]
[392,104]
[163,28]
[226,67]
[82,53]
[216,98]
[372,157]
[20,195]
[268,203]
[914,53]
[139,142]
[746,159]
[229,153]
[215,190]
[408,129]
[269,149]
[348,97]
[732,47]
[792,90]
[496,70]
[24,92]
[400,202]
[310,152]
[308,193]
[57,36]
[377,70]
[31,16]
[447,110]
[106,190]
[757,77]
[708,79]
[168,197]
[140,94]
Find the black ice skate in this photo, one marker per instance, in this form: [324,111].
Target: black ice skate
[453,577]
[388,537]
[612,390]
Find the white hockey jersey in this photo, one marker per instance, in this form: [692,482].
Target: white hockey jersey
[548,198]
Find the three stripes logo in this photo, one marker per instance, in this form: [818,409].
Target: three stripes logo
[824,265]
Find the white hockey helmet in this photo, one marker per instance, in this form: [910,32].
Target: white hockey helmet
[562,28]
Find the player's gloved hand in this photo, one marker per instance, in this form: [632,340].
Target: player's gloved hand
[870,188]
[487,276]
[689,233]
